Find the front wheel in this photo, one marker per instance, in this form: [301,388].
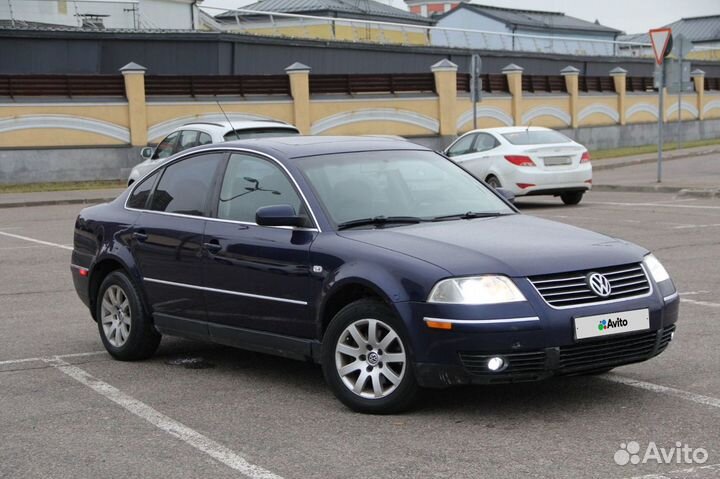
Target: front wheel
[125,327]
[366,360]
[572,198]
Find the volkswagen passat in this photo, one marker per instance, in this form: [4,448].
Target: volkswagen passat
[379,259]
[527,160]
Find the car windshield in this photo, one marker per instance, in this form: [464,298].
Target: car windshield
[251,133]
[536,137]
[397,187]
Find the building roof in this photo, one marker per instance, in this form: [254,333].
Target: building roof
[534,19]
[364,9]
[696,29]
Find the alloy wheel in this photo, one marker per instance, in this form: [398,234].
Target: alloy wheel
[370,358]
[116,316]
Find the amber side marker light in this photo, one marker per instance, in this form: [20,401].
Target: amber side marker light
[438,324]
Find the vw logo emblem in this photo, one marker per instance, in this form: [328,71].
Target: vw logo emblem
[599,284]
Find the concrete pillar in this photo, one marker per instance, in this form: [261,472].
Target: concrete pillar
[445,73]
[134,76]
[514,78]
[572,76]
[619,76]
[698,77]
[300,90]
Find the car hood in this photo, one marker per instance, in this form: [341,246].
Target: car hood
[514,245]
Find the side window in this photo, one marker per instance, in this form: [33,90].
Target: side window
[138,198]
[185,185]
[165,148]
[462,146]
[205,139]
[485,142]
[251,183]
[188,139]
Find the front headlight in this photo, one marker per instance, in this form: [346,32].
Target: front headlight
[657,270]
[476,290]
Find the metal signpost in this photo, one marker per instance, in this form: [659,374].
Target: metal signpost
[661,40]
[681,46]
[475,85]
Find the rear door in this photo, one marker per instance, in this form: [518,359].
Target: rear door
[483,153]
[167,238]
[257,277]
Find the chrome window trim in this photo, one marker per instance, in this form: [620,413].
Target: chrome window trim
[597,303]
[182,155]
[225,291]
[483,321]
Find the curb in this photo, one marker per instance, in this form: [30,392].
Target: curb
[69,201]
[642,161]
[680,191]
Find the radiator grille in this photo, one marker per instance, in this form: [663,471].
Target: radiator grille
[571,289]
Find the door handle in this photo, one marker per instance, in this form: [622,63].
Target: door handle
[139,235]
[213,247]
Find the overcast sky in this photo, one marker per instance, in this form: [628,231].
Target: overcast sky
[632,16]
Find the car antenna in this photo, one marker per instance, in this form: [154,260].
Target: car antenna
[227,118]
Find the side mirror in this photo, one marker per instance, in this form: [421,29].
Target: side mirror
[278,215]
[146,153]
[507,194]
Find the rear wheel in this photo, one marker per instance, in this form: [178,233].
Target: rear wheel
[125,327]
[366,360]
[572,198]
[493,181]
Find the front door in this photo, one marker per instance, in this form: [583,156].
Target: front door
[257,277]
[167,238]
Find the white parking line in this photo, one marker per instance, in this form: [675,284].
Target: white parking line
[668,391]
[163,422]
[73,355]
[685,473]
[700,303]
[662,205]
[25,238]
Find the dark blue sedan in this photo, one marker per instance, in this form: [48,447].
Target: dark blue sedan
[383,261]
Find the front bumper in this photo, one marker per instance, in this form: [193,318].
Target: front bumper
[540,346]
[539,364]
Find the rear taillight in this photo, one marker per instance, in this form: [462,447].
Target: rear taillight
[585,158]
[519,160]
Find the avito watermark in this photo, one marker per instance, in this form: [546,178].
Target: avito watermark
[630,453]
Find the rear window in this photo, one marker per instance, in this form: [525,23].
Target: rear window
[536,137]
[259,133]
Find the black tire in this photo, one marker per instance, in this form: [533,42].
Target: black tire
[493,181]
[572,198]
[143,339]
[400,395]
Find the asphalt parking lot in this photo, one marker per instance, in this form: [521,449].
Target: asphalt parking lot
[199,410]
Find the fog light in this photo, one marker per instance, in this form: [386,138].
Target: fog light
[495,364]
[672,335]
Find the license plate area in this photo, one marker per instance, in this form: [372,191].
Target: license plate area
[557,160]
[610,324]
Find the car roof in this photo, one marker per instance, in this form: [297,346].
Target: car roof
[302,146]
[501,130]
[225,125]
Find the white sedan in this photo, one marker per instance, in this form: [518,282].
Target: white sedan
[526,161]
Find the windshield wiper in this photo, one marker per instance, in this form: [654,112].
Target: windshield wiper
[469,215]
[379,221]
